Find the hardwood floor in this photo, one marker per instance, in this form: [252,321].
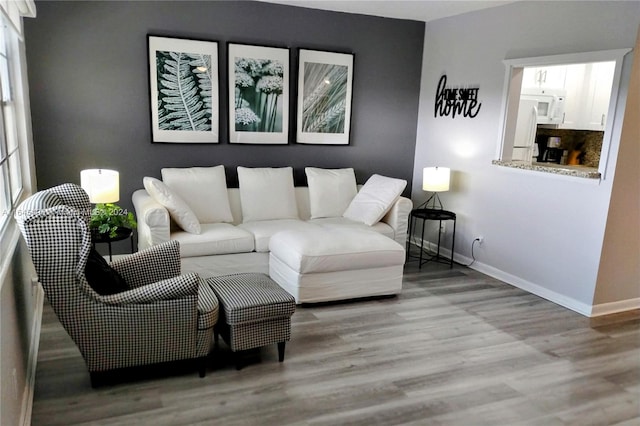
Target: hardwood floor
[455,348]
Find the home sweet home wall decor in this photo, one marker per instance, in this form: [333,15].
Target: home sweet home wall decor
[456,101]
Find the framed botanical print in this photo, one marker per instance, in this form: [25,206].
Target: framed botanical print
[183,77]
[325,86]
[258,94]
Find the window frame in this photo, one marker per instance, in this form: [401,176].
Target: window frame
[15,154]
[513,86]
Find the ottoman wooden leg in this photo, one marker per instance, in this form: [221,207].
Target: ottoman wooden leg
[239,357]
[281,351]
[202,366]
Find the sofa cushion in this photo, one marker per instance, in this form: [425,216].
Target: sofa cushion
[267,193]
[215,238]
[178,209]
[330,191]
[344,223]
[375,199]
[204,189]
[329,250]
[264,229]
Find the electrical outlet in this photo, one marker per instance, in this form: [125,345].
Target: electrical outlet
[443,228]
[480,239]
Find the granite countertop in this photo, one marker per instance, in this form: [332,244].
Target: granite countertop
[559,169]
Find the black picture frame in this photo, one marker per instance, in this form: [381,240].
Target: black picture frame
[325,97]
[184,90]
[259,87]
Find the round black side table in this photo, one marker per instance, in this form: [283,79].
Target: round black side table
[431,214]
[121,234]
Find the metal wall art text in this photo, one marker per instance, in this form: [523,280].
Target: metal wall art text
[458,101]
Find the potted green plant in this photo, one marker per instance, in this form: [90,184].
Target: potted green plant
[111,219]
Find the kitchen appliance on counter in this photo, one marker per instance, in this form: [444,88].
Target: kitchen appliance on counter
[552,152]
[550,104]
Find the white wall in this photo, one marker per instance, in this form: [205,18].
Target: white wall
[20,315]
[542,232]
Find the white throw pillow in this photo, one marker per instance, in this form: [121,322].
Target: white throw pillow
[330,191]
[178,209]
[204,189]
[267,193]
[375,199]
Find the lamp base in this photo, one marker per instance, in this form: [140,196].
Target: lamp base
[436,204]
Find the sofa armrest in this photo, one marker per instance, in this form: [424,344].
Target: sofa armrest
[398,219]
[153,218]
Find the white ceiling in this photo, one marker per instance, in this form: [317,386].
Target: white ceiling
[417,10]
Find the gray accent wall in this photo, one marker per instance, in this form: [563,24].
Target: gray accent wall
[88,77]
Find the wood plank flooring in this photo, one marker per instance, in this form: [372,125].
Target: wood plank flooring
[455,348]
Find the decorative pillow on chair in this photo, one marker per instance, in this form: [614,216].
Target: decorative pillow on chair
[102,278]
[375,199]
[330,191]
[204,189]
[267,193]
[178,209]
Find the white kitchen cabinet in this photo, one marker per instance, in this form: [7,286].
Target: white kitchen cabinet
[552,77]
[573,104]
[588,89]
[597,102]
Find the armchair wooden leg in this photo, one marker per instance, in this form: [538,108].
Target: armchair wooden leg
[281,351]
[96,378]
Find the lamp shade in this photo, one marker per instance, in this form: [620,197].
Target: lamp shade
[435,179]
[102,185]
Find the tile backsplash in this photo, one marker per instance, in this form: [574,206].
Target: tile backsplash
[586,141]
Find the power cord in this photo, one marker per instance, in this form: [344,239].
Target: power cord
[473,244]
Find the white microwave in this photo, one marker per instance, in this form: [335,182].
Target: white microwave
[550,108]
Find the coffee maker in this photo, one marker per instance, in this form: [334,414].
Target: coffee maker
[552,152]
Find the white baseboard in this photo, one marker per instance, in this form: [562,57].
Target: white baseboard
[32,362]
[545,293]
[615,307]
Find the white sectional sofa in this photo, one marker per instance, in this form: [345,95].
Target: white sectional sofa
[235,238]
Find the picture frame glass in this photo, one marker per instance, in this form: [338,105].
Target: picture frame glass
[184,94]
[258,94]
[325,86]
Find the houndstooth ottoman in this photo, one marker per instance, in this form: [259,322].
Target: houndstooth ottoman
[255,312]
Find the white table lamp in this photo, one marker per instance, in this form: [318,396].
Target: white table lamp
[102,185]
[435,179]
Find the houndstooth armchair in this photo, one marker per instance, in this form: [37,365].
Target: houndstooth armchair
[164,316]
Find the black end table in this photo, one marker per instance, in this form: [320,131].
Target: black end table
[121,234]
[431,214]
